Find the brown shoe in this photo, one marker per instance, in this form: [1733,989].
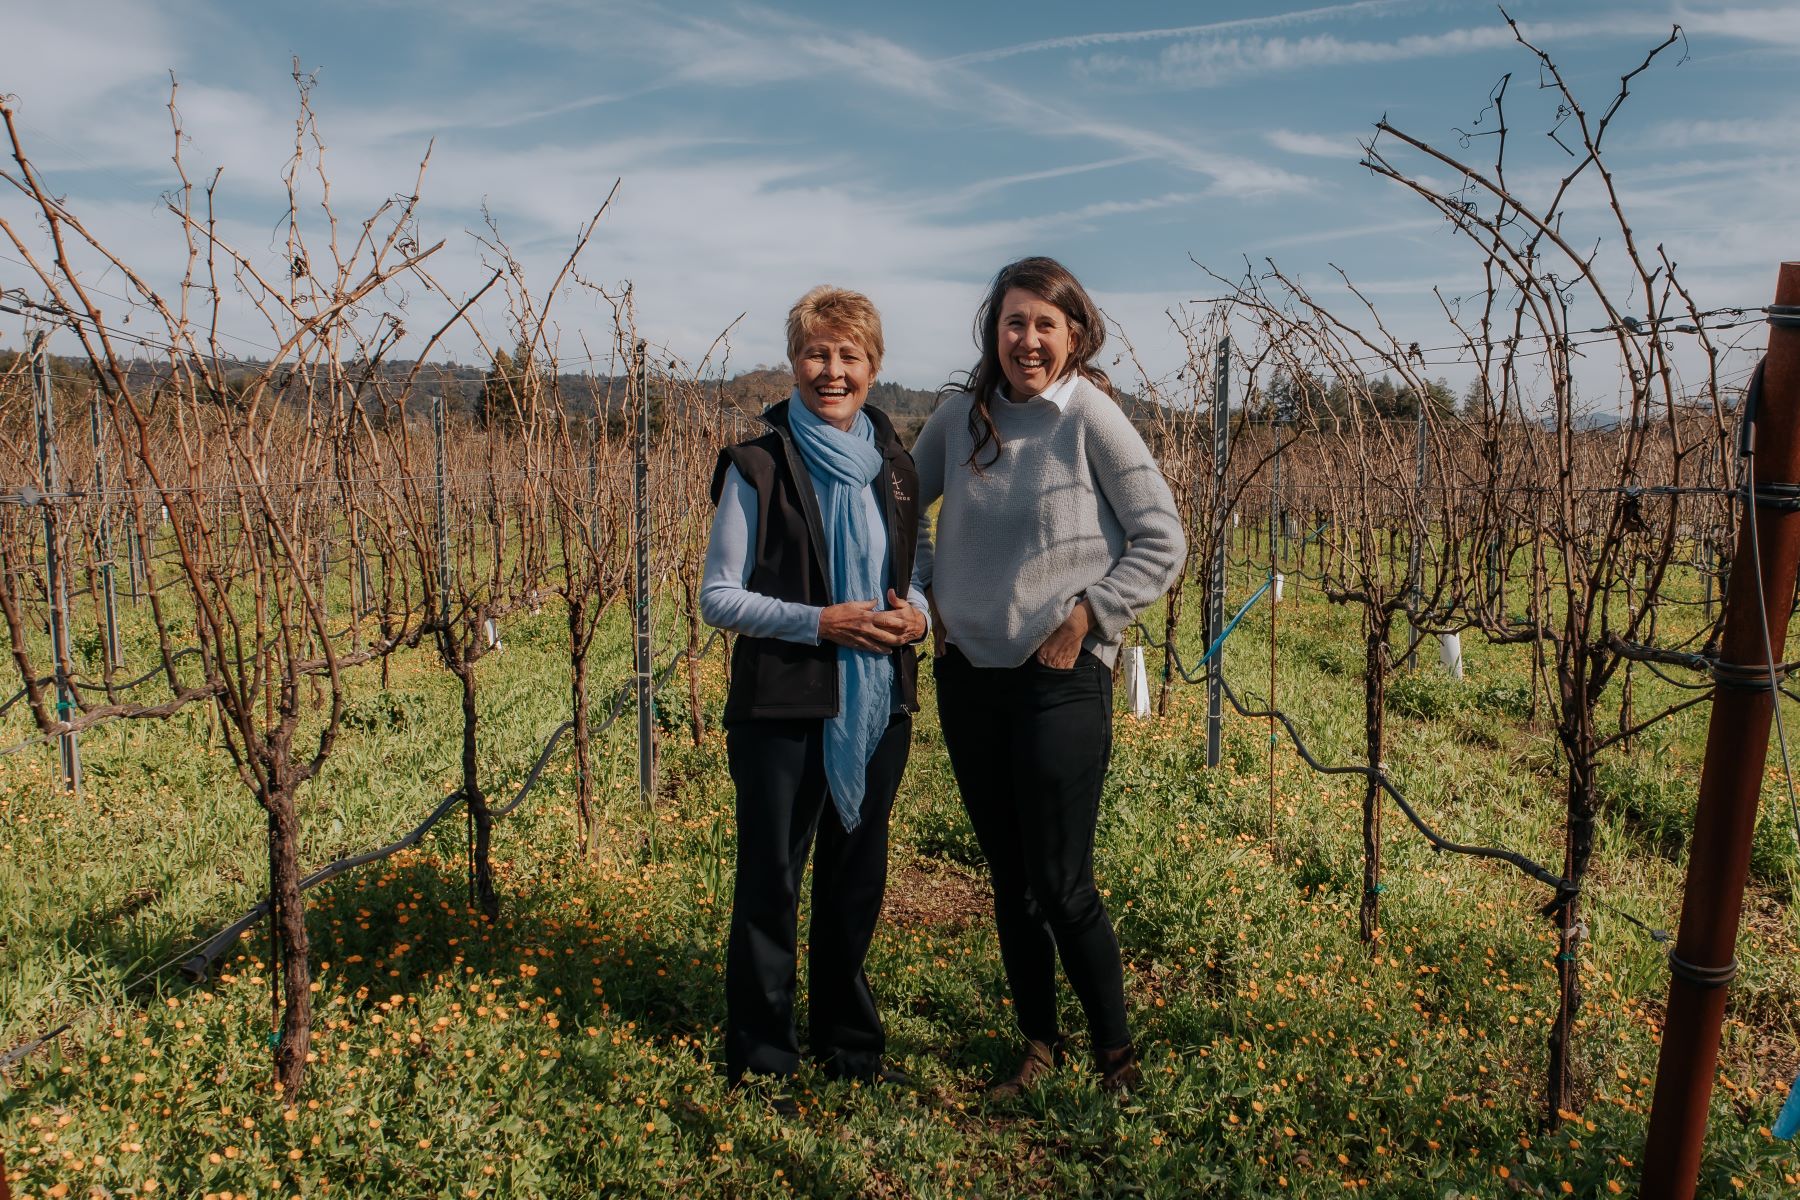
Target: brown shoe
[1119,1072]
[1040,1059]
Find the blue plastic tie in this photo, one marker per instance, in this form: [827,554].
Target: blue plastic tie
[1233,624]
[1788,1123]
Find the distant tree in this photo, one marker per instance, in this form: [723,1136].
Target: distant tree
[1307,399]
[1296,398]
[508,388]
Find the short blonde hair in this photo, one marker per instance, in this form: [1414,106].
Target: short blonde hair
[835,310]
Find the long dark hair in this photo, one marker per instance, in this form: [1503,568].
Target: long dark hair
[1050,280]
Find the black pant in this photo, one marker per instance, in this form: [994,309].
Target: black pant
[1030,746]
[778,768]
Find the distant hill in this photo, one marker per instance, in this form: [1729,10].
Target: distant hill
[907,407]
[460,385]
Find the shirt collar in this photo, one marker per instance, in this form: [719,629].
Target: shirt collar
[1057,393]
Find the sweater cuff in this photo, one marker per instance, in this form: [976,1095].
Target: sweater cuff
[1111,614]
[915,596]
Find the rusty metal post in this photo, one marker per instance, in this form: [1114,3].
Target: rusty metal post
[1737,745]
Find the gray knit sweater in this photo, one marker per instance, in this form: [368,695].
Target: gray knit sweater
[1075,507]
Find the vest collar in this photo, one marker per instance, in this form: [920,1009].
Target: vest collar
[776,418]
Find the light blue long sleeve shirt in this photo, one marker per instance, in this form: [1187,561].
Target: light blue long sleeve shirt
[726,603]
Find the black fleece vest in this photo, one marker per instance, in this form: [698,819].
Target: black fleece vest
[773,678]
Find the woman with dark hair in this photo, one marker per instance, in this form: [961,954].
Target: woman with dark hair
[811,551]
[1056,530]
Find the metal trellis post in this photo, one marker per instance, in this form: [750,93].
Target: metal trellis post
[1415,566]
[640,520]
[131,557]
[362,598]
[1215,598]
[1275,528]
[51,479]
[1493,577]
[443,513]
[115,655]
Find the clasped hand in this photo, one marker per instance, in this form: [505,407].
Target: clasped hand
[859,625]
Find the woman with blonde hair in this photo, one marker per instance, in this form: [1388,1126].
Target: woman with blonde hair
[811,553]
[1056,530]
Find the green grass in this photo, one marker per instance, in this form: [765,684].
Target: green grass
[573,1047]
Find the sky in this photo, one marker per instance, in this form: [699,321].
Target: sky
[904,150]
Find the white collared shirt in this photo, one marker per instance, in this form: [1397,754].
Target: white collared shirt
[1057,393]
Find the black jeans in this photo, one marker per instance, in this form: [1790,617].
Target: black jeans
[1030,746]
[778,768]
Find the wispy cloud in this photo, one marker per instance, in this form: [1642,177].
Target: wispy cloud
[764,147]
[1316,145]
[1774,24]
[763,49]
[767,46]
[1086,41]
[1211,62]
[1347,233]
[510,120]
[1230,174]
[1778,133]
[961,197]
[1113,208]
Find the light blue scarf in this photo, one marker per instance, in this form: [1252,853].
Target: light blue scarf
[842,466]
